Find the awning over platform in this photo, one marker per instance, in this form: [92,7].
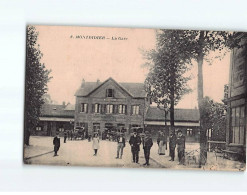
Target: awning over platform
[56,119]
[162,123]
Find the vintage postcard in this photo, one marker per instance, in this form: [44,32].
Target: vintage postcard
[135,98]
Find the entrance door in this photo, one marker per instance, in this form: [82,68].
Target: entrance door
[48,128]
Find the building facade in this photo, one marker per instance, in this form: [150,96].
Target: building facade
[237,100]
[109,105]
[55,118]
[186,120]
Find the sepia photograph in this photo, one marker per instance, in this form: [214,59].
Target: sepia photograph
[135,98]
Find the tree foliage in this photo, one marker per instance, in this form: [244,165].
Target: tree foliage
[200,44]
[195,45]
[166,82]
[37,77]
[214,118]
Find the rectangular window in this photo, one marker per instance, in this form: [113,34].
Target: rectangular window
[135,126]
[60,129]
[189,132]
[109,108]
[38,128]
[109,93]
[82,124]
[96,108]
[238,125]
[96,127]
[109,126]
[121,109]
[83,107]
[135,109]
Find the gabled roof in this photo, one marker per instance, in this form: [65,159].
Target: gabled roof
[53,110]
[185,115]
[136,90]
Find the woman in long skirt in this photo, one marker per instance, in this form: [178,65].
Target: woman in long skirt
[161,141]
[95,143]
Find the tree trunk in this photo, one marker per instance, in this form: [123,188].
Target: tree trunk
[172,114]
[172,99]
[203,137]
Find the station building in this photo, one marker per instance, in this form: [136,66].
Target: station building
[237,101]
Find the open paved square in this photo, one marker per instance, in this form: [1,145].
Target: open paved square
[80,152]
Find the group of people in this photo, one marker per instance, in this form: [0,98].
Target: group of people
[179,142]
[135,141]
[174,141]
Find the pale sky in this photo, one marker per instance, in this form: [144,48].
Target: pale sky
[72,59]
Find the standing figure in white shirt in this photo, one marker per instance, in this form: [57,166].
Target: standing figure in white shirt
[95,143]
[120,145]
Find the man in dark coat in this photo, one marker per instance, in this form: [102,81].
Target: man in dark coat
[56,143]
[120,145]
[147,144]
[172,145]
[181,147]
[65,136]
[135,142]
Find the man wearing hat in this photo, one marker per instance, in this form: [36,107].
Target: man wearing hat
[120,145]
[181,147]
[147,144]
[56,143]
[172,145]
[135,142]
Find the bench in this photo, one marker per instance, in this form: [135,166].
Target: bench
[216,144]
[232,155]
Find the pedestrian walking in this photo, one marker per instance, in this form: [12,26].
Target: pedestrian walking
[95,143]
[135,142]
[172,145]
[65,136]
[120,145]
[89,138]
[161,141]
[181,147]
[147,144]
[56,143]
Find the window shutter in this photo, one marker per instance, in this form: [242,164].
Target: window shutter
[126,110]
[103,108]
[86,108]
[115,109]
[99,108]
[93,105]
[79,107]
[139,110]
[131,110]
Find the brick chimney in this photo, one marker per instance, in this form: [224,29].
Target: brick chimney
[98,82]
[83,83]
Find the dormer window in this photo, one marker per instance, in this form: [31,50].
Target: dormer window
[109,93]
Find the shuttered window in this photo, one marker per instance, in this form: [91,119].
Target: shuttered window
[109,109]
[122,109]
[109,92]
[238,125]
[96,108]
[135,110]
[84,107]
